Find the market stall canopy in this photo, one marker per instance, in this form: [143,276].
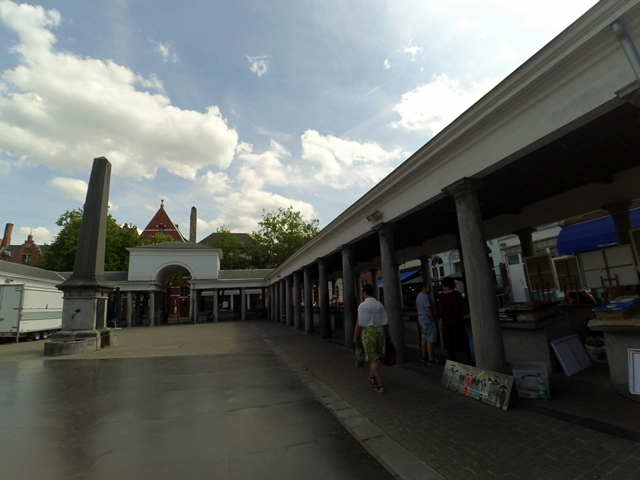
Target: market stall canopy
[592,235]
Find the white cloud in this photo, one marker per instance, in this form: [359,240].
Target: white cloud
[41,235]
[259,64]
[62,110]
[344,163]
[71,188]
[166,51]
[432,106]
[266,167]
[215,183]
[413,51]
[75,189]
[241,210]
[506,53]
[386,64]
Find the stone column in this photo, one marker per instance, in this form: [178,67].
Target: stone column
[152,308]
[276,301]
[374,282]
[391,281]
[270,303]
[129,308]
[289,300]
[349,295]
[297,301]
[525,235]
[619,211]
[323,299]
[215,304]
[137,308]
[243,304]
[308,301]
[483,304]
[282,314]
[425,268]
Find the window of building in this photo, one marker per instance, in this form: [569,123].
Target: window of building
[26,258]
[437,267]
[184,291]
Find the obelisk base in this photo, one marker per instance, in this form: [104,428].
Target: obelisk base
[84,310]
[79,341]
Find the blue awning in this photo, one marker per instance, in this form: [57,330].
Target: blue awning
[591,235]
[403,275]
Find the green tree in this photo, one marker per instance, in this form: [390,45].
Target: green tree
[281,233]
[61,254]
[234,253]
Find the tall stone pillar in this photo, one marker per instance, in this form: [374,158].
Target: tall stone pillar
[243,304]
[525,236]
[323,299]
[425,268]
[193,222]
[276,301]
[194,305]
[270,303]
[215,304]
[282,315]
[152,309]
[129,308]
[391,281]
[619,211]
[374,282]
[483,304]
[289,301]
[308,301]
[297,301]
[349,295]
[85,293]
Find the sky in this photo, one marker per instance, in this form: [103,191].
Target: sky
[239,107]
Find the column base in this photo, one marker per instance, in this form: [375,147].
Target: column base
[78,341]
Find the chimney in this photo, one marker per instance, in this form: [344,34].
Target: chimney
[192,225]
[6,239]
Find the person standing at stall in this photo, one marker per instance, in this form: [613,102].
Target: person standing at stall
[373,327]
[428,325]
[451,310]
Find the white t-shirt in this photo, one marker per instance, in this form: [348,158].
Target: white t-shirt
[371,313]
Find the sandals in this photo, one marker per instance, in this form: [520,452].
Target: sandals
[372,379]
[379,388]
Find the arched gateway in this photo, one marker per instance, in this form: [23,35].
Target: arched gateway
[148,299]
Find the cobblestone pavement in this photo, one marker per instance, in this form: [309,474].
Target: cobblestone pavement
[461,438]
[457,437]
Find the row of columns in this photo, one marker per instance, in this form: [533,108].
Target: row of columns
[134,300]
[483,303]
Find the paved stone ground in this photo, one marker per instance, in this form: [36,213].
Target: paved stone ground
[455,436]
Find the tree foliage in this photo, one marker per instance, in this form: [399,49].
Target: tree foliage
[61,254]
[234,253]
[281,233]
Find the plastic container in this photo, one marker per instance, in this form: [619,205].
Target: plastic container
[532,380]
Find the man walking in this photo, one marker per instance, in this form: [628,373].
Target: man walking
[428,324]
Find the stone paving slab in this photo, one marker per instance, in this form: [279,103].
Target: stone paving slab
[454,436]
[457,437]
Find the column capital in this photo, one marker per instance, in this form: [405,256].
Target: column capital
[384,227]
[524,231]
[463,187]
[617,207]
[347,247]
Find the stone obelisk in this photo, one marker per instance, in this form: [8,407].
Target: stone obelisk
[84,308]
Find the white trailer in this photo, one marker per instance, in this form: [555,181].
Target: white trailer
[29,311]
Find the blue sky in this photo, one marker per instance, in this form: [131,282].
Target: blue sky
[235,106]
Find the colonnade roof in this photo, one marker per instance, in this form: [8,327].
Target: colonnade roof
[555,139]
